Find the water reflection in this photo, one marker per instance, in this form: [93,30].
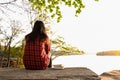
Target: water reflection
[98,64]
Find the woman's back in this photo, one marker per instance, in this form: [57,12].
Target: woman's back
[35,56]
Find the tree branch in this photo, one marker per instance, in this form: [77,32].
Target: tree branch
[9,2]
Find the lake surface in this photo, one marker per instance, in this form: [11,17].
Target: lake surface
[98,64]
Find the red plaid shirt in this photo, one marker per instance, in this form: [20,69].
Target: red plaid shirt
[35,55]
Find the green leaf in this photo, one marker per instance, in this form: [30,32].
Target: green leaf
[96,0]
[51,10]
[53,15]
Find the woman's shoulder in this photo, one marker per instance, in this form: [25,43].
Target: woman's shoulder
[47,39]
[27,36]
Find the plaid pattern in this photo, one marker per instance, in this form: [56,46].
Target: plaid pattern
[35,55]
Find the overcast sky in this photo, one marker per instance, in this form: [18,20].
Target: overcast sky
[96,28]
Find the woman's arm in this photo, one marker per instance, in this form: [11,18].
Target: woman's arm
[47,47]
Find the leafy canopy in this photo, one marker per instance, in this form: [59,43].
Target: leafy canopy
[53,6]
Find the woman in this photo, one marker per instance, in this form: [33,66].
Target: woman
[37,48]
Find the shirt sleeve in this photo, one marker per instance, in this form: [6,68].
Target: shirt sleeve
[47,46]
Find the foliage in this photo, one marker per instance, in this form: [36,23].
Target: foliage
[8,35]
[96,0]
[60,47]
[47,6]
[53,6]
[16,52]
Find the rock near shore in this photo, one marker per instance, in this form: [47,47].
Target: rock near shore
[112,75]
[78,73]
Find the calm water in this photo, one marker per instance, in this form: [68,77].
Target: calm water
[98,64]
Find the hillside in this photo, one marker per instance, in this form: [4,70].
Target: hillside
[109,53]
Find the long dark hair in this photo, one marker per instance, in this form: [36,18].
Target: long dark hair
[38,31]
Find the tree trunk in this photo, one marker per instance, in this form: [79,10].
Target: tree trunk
[8,63]
[2,58]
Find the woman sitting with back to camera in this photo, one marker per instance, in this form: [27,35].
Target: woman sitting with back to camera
[37,48]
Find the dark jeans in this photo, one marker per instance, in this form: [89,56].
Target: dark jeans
[50,64]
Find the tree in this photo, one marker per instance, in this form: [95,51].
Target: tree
[53,6]
[5,7]
[60,47]
[18,52]
[49,6]
[8,35]
[34,15]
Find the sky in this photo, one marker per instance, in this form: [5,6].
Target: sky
[96,29]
